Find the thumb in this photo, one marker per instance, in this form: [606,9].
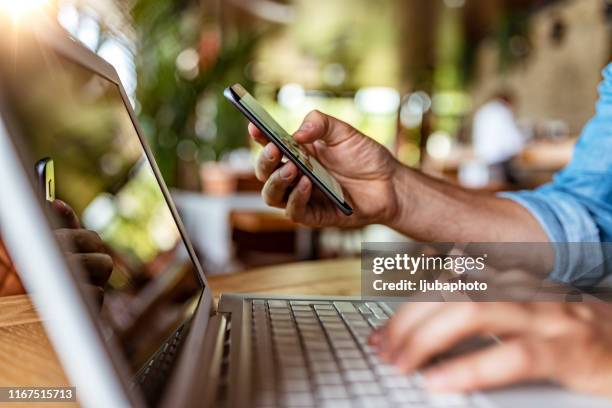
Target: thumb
[319,126]
[66,214]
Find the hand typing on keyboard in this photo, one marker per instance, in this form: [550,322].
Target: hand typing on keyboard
[569,343]
[315,353]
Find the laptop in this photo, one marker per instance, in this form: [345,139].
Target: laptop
[157,338]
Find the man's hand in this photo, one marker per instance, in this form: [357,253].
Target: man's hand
[382,191]
[570,343]
[364,168]
[83,247]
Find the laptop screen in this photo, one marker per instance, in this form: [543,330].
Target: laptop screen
[68,114]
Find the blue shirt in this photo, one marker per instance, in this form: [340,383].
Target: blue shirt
[576,207]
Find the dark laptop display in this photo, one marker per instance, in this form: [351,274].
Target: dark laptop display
[65,112]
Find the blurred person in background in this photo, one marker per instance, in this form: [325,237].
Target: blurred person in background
[569,343]
[496,137]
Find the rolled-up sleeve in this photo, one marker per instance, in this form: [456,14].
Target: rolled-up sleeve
[579,257]
[575,210]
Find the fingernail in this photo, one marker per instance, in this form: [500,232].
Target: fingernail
[306,126]
[286,173]
[267,151]
[303,186]
[436,381]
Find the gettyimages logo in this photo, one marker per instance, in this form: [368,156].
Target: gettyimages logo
[412,264]
[393,270]
[494,271]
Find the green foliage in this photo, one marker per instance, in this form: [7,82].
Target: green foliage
[169,103]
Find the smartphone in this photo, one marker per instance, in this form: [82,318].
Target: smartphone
[45,172]
[308,165]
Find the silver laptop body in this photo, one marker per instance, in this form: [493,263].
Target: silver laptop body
[249,351]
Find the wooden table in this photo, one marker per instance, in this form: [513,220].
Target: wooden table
[27,358]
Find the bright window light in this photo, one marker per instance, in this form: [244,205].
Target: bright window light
[378,100]
[19,8]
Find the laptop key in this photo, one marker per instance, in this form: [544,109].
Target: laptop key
[358,324]
[331,391]
[384,370]
[366,388]
[447,400]
[363,309]
[327,313]
[373,402]
[359,375]
[376,323]
[265,400]
[345,307]
[300,399]
[323,367]
[277,304]
[336,403]
[404,395]
[320,356]
[336,327]
[308,302]
[344,344]
[328,378]
[354,364]
[331,319]
[397,381]
[324,307]
[348,353]
[319,345]
[295,385]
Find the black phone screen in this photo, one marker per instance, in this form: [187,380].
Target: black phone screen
[282,136]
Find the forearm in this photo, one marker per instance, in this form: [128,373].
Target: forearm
[431,210]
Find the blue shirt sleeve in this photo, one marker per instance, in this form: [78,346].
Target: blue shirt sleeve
[577,206]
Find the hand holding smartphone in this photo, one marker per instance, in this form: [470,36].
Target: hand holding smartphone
[308,165]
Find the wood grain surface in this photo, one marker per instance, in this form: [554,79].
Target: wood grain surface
[28,359]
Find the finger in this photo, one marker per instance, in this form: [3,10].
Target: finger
[275,189]
[66,214]
[96,293]
[515,361]
[450,325]
[267,162]
[297,204]
[319,126]
[97,266]
[257,135]
[79,240]
[407,318]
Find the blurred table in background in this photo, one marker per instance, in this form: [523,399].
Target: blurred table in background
[534,166]
[329,278]
[538,163]
[216,224]
[210,221]
[28,359]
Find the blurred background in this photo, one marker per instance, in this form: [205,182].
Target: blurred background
[490,94]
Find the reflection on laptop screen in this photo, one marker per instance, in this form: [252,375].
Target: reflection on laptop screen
[68,113]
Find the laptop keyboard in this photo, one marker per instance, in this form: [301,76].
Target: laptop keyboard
[315,353]
[152,377]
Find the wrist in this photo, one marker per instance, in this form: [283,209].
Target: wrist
[403,200]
